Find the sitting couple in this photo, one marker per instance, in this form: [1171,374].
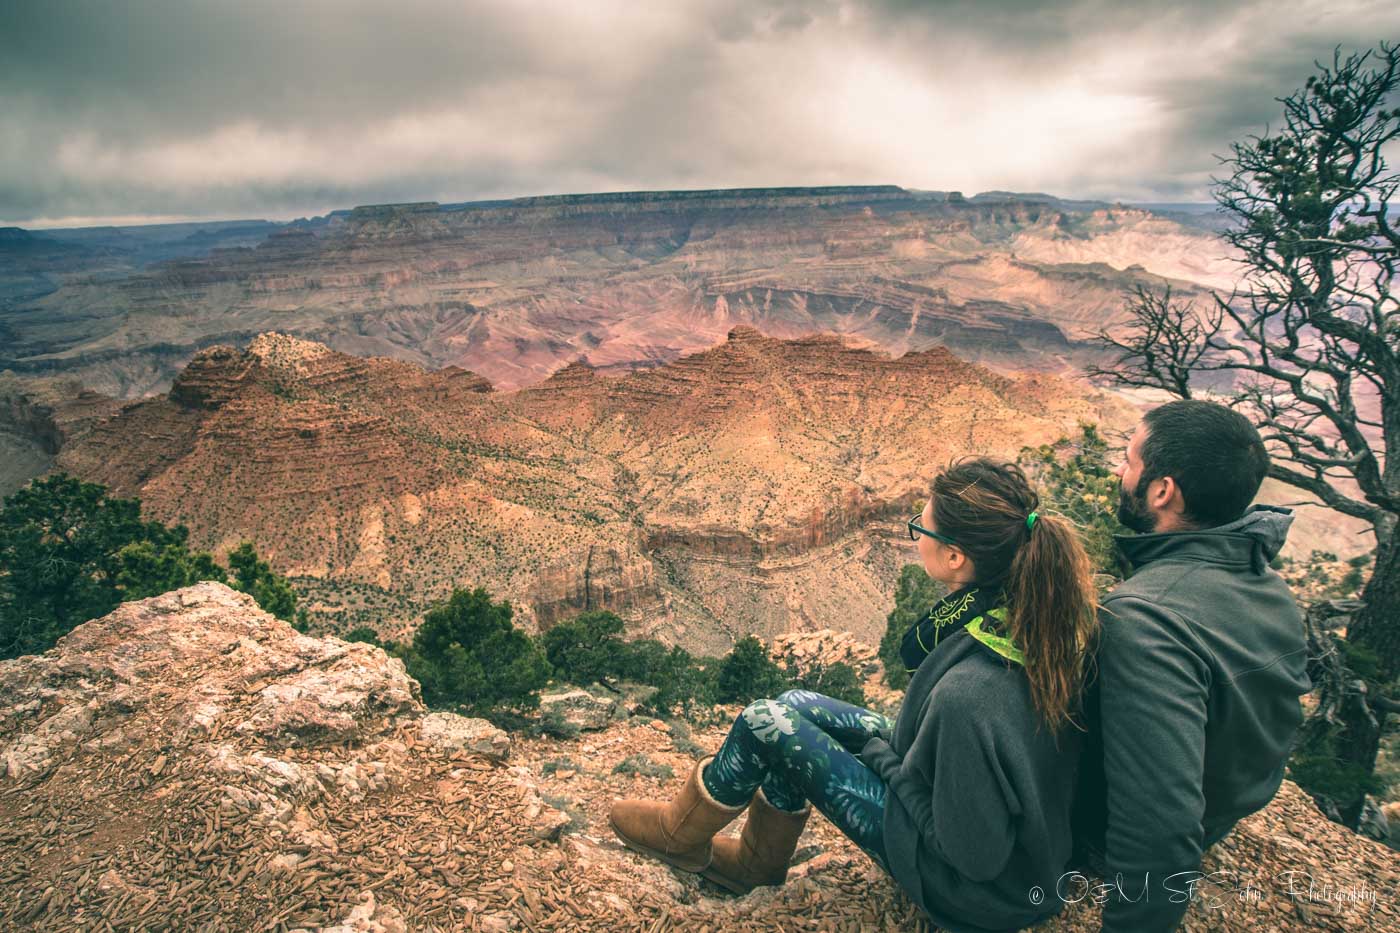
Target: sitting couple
[1042,728]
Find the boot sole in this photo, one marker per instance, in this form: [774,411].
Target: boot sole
[635,846]
[733,887]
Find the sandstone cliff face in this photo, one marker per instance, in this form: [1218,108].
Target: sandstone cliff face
[787,465]
[37,417]
[513,290]
[190,761]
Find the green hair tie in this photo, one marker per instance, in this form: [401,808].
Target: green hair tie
[1030,521]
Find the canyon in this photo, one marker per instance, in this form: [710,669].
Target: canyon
[756,487]
[515,290]
[708,411]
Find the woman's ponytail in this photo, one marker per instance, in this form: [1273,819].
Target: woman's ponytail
[1052,615]
[1045,573]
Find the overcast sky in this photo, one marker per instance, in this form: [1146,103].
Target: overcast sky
[137,111]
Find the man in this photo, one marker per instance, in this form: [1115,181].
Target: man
[1201,662]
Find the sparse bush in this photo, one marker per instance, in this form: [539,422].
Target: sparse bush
[681,740]
[560,764]
[578,820]
[643,765]
[556,725]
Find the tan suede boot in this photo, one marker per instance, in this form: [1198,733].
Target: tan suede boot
[677,832]
[760,855]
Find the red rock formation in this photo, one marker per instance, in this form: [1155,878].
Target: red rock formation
[783,464]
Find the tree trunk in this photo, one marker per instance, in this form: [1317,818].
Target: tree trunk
[1377,624]
[1343,725]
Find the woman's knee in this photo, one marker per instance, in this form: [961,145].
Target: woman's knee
[796,696]
[769,720]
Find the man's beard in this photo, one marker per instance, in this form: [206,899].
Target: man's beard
[1133,512]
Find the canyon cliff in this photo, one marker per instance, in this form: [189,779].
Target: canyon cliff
[756,487]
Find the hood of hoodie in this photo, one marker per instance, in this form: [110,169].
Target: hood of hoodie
[1251,541]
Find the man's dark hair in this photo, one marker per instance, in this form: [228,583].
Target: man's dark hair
[1215,455]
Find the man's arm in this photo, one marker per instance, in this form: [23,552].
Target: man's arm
[1154,692]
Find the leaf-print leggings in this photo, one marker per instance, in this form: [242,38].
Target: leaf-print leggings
[802,746]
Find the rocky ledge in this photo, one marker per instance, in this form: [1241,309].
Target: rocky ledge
[190,762]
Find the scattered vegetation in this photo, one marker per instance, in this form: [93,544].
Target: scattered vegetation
[681,740]
[578,820]
[643,765]
[556,725]
[560,764]
[70,552]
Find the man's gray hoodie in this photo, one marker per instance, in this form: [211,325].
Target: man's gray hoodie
[1200,666]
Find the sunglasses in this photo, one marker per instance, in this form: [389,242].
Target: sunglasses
[915,529]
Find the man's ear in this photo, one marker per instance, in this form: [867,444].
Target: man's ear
[1168,497]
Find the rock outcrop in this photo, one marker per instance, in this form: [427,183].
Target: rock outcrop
[190,762]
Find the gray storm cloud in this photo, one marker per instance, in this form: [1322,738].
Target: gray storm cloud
[260,109]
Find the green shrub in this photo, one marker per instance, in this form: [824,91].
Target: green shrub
[1075,478]
[839,681]
[748,673]
[468,655]
[586,648]
[271,590]
[70,552]
[682,681]
[365,634]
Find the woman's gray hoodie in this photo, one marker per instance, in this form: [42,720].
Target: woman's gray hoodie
[976,822]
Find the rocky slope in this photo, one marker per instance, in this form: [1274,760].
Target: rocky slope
[37,417]
[190,762]
[514,290]
[759,486]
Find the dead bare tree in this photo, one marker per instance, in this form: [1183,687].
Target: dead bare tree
[1311,336]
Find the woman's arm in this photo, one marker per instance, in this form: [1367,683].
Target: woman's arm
[953,786]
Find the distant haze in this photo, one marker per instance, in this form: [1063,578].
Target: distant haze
[140,112]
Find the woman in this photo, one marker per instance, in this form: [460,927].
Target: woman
[965,798]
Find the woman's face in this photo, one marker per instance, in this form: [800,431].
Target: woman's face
[944,562]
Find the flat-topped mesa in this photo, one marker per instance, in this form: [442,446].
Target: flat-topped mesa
[697,200]
[745,333]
